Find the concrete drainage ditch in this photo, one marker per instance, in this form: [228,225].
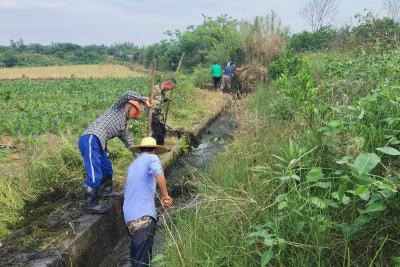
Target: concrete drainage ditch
[103,240]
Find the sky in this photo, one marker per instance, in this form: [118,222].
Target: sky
[142,22]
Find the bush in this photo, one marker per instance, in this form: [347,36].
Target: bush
[312,41]
[287,62]
[374,32]
[201,76]
[9,60]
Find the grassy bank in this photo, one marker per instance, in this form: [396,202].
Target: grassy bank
[311,178]
[233,196]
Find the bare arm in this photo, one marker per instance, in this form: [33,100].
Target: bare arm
[162,184]
[120,103]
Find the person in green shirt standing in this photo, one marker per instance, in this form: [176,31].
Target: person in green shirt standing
[216,72]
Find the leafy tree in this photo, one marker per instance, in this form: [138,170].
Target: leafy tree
[213,40]
[9,59]
[312,41]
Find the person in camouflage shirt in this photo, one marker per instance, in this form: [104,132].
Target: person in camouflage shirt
[161,99]
[93,147]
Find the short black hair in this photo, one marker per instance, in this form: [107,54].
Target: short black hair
[147,149]
[129,105]
[171,80]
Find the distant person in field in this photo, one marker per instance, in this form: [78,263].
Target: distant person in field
[139,200]
[160,96]
[229,74]
[93,147]
[216,72]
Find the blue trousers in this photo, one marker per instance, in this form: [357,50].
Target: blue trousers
[95,159]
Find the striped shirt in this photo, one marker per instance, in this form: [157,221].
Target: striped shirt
[113,123]
[161,98]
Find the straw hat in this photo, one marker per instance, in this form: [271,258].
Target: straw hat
[149,142]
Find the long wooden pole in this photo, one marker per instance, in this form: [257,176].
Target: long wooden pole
[150,115]
[170,95]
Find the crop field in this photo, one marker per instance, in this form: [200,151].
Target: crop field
[41,121]
[66,72]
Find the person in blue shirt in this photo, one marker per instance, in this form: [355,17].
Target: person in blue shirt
[229,73]
[139,199]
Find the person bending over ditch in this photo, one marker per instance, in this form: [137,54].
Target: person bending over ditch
[157,124]
[93,147]
[139,199]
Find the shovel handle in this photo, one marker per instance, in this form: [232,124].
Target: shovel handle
[150,115]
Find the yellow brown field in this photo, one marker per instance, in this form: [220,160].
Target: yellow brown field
[66,72]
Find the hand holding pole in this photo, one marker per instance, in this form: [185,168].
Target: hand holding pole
[170,95]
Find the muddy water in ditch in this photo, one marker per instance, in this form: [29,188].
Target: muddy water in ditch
[180,179]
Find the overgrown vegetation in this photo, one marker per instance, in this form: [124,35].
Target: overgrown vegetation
[312,177]
[370,33]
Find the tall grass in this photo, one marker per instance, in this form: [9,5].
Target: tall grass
[232,198]
[318,188]
[263,38]
[52,163]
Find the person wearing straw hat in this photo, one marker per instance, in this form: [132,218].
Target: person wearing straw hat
[139,199]
[93,147]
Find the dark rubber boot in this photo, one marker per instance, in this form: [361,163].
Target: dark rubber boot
[106,188]
[92,205]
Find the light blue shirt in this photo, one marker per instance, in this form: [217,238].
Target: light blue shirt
[140,187]
[229,70]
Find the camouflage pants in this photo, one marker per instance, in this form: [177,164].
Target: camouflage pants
[226,83]
[142,233]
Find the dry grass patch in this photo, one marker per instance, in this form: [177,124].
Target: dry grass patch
[206,103]
[66,72]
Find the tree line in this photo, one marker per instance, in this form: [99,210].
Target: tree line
[20,54]
[221,38]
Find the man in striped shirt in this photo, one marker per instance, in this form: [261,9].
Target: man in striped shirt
[93,147]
